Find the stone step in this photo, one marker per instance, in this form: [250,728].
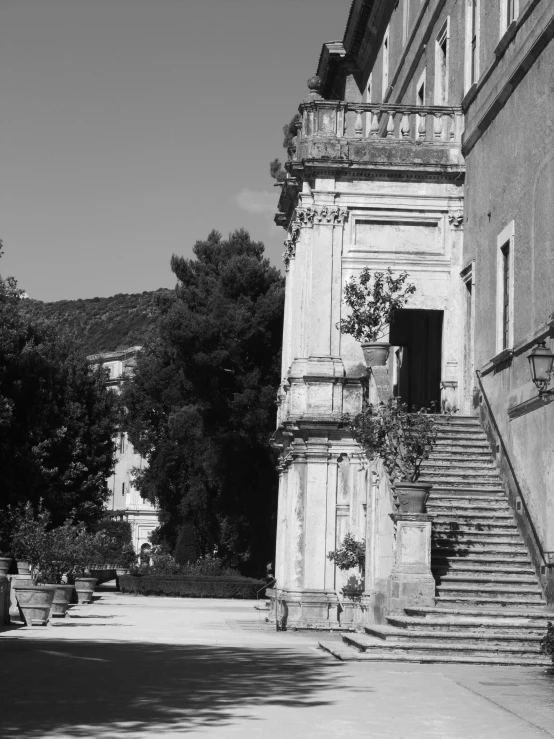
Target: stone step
[461,455]
[489,587]
[487,637]
[445,521]
[465,643]
[455,469]
[461,434]
[446,418]
[452,476]
[460,483]
[459,465]
[465,534]
[469,648]
[540,617]
[492,563]
[446,570]
[444,444]
[347,654]
[460,491]
[517,624]
[462,505]
[488,578]
[446,548]
[491,599]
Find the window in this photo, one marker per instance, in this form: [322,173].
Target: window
[505,251]
[121,443]
[123,489]
[505,289]
[405,20]
[509,10]
[472,43]
[385,65]
[441,66]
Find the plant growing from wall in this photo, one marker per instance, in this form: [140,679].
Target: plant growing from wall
[289,133]
[373,302]
[403,440]
[350,554]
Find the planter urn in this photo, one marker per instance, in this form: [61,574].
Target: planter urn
[376,354]
[23,568]
[5,563]
[412,496]
[84,588]
[62,599]
[35,602]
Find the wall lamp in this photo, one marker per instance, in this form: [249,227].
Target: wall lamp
[541,360]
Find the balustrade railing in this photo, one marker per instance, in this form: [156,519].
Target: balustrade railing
[373,121]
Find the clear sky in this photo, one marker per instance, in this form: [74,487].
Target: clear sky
[131,128]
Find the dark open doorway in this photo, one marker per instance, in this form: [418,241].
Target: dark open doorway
[416,337]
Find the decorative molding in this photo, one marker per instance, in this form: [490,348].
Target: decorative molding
[290,243]
[321,214]
[456,218]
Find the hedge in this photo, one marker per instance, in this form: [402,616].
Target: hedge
[180,586]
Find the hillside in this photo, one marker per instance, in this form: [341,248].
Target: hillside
[103,324]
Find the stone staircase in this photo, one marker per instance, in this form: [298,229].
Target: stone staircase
[489,605]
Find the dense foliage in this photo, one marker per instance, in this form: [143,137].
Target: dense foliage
[403,440]
[201,405]
[350,554]
[57,419]
[181,586]
[547,642]
[103,324]
[373,300]
[289,133]
[119,541]
[55,552]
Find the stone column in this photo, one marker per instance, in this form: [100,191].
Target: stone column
[411,582]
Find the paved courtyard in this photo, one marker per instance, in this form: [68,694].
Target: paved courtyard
[129,666]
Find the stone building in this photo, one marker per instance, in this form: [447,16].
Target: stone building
[124,497]
[424,144]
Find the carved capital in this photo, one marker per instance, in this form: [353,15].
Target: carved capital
[456,218]
[321,214]
[290,243]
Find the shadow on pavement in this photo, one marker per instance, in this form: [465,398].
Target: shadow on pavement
[101,689]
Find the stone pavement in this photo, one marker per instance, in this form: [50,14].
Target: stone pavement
[129,666]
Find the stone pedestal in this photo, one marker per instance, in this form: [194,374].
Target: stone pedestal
[307,609]
[411,582]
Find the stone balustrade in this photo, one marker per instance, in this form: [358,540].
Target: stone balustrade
[370,134]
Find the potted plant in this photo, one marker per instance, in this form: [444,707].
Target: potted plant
[6,554]
[349,555]
[34,596]
[404,441]
[373,301]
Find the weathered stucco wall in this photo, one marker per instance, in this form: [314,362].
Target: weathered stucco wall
[510,177]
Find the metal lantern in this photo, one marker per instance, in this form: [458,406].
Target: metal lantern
[540,363]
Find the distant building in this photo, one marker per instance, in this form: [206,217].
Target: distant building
[125,499]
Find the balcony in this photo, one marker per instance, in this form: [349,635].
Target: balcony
[375,136]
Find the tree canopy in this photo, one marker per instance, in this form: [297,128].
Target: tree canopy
[201,405]
[57,419]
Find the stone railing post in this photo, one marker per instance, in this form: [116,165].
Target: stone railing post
[411,581]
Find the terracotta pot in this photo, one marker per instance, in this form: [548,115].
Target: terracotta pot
[35,602]
[5,563]
[84,588]
[412,496]
[376,354]
[23,568]
[14,612]
[119,572]
[62,599]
